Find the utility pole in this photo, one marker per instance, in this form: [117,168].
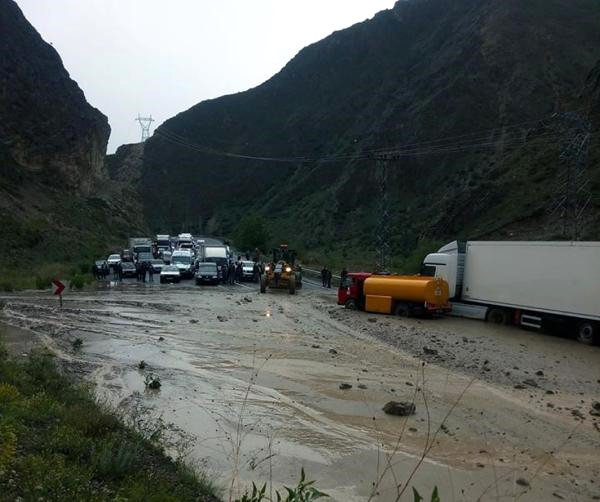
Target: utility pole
[572,196]
[383,235]
[145,123]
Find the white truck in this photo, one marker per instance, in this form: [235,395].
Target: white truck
[535,284]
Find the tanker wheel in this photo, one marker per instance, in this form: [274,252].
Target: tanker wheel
[587,332]
[263,284]
[403,309]
[292,285]
[350,305]
[497,316]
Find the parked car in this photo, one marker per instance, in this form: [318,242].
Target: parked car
[157,265]
[184,261]
[113,260]
[248,271]
[126,255]
[128,269]
[207,273]
[169,273]
[142,257]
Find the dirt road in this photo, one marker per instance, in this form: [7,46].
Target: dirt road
[251,386]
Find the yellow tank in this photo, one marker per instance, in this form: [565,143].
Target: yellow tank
[384,291]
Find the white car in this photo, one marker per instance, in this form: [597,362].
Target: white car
[113,260]
[169,273]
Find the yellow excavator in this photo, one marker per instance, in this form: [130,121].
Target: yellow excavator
[282,272]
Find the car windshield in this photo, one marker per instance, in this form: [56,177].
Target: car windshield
[169,268]
[114,257]
[127,264]
[207,267]
[248,263]
[186,260]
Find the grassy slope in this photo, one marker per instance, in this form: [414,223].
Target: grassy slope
[57,443]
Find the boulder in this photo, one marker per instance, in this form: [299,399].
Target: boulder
[399,408]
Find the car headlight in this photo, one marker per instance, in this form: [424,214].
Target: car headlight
[267,268]
[288,269]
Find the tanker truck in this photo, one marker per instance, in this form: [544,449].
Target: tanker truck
[404,295]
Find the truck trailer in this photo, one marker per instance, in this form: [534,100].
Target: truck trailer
[535,284]
[403,295]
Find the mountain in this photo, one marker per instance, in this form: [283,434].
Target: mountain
[474,85]
[57,202]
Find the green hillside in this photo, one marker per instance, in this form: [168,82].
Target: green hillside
[426,70]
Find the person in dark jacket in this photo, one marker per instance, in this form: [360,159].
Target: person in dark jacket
[138,270]
[150,272]
[231,273]
[239,271]
[120,271]
[95,271]
[343,276]
[329,278]
[324,276]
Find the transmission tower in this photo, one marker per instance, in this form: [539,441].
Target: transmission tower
[572,195]
[145,123]
[383,229]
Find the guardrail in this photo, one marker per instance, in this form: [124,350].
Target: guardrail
[335,279]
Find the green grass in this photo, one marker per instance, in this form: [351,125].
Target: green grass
[58,443]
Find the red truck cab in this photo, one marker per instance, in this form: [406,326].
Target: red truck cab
[350,292]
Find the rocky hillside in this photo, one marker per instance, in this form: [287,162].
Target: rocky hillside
[57,202]
[465,82]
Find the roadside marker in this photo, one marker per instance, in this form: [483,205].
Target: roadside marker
[57,289]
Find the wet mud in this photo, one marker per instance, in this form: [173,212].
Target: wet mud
[250,387]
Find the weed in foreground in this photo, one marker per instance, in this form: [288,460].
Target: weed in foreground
[304,491]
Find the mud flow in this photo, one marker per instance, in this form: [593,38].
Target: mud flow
[250,391]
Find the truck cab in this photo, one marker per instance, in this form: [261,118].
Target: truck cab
[350,292]
[449,264]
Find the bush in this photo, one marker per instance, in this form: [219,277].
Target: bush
[43,282]
[114,457]
[77,281]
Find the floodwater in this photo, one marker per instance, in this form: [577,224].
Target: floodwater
[250,391]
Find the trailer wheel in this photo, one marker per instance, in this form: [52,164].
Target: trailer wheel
[587,332]
[497,316]
[350,305]
[263,284]
[402,309]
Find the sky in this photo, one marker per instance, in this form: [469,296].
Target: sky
[157,57]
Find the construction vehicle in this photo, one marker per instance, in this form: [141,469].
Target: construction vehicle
[282,272]
[404,295]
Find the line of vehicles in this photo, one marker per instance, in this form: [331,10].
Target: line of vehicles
[208,261]
[534,284]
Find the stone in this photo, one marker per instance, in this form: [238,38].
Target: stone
[372,319]
[520,386]
[522,482]
[531,382]
[315,346]
[161,338]
[399,408]
[362,386]
[221,318]
[345,386]
[247,299]
[333,351]
[429,352]
[539,373]
[193,321]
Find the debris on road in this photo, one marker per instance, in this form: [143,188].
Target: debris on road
[398,408]
[345,386]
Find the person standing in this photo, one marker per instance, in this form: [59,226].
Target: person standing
[95,271]
[343,276]
[150,272]
[329,275]
[120,271]
[239,271]
[231,273]
[324,276]
[138,271]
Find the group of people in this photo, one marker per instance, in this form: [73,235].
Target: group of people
[100,272]
[326,276]
[234,271]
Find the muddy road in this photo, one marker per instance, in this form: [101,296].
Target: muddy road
[251,390]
